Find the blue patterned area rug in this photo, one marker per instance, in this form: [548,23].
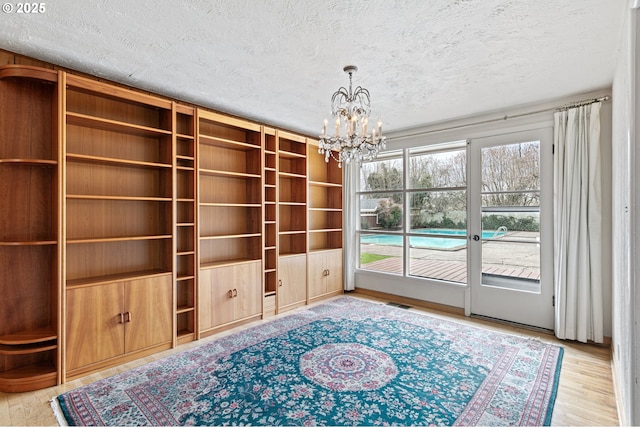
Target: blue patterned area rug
[345,362]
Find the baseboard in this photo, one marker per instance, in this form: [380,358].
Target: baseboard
[622,421]
[411,301]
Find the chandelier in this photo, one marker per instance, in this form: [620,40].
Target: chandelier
[350,141]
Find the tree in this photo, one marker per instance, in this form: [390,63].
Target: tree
[383,175]
[439,170]
[510,177]
[420,177]
[511,168]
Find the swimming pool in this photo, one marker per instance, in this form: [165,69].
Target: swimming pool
[442,243]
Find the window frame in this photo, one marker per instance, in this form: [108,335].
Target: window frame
[405,154]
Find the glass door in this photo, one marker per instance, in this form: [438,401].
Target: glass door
[510,227]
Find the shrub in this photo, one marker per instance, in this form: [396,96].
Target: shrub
[389,214]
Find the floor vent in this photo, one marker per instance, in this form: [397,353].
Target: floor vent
[395,304]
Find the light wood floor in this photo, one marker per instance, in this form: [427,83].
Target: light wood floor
[585,392]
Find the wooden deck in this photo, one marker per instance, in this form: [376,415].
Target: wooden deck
[453,271]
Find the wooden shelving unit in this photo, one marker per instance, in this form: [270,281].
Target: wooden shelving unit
[119,175]
[270,228]
[186,263]
[30,228]
[229,220]
[292,220]
[325,227]
[132,223]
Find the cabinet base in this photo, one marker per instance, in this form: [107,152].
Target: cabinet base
[226,326]
[28,378]
[110,363]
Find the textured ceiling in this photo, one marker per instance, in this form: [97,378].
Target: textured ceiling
[279,61]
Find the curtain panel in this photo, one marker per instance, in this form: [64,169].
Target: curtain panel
[578,224]
[349,225]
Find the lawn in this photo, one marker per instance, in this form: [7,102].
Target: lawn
[367,258]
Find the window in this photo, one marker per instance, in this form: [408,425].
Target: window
[438,213]
[415,213]
[381,200]
[510,205]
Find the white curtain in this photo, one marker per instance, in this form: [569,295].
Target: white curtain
[349,224]
[577,222]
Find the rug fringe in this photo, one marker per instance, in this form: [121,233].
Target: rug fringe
[57,411]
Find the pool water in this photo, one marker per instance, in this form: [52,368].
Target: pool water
[443,243]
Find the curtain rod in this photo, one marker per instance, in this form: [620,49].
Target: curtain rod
[506,117]
[583,103]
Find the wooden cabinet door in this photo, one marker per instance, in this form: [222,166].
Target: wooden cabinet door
[247,281]
[94,330]
[229,293]
[215,301]
[317,274]
[148,312]
[325,272]
[292,280]
[334,266]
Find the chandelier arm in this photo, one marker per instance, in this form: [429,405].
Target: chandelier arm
[362,91]
[362,95]
[341,92]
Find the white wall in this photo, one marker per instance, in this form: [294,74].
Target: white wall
[518,119]
[625,221]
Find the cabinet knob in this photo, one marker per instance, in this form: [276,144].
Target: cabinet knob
[128,316]
[280,283]
[230,293]
[235,293]
[121,318]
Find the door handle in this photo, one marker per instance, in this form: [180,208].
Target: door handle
[476,237]
[128,316]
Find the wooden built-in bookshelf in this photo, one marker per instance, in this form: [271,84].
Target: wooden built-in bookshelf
[292,221]
[186,235]
[119,175]
[132,223]
[270,222]
[30,228]
[325,227]
[230,220]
